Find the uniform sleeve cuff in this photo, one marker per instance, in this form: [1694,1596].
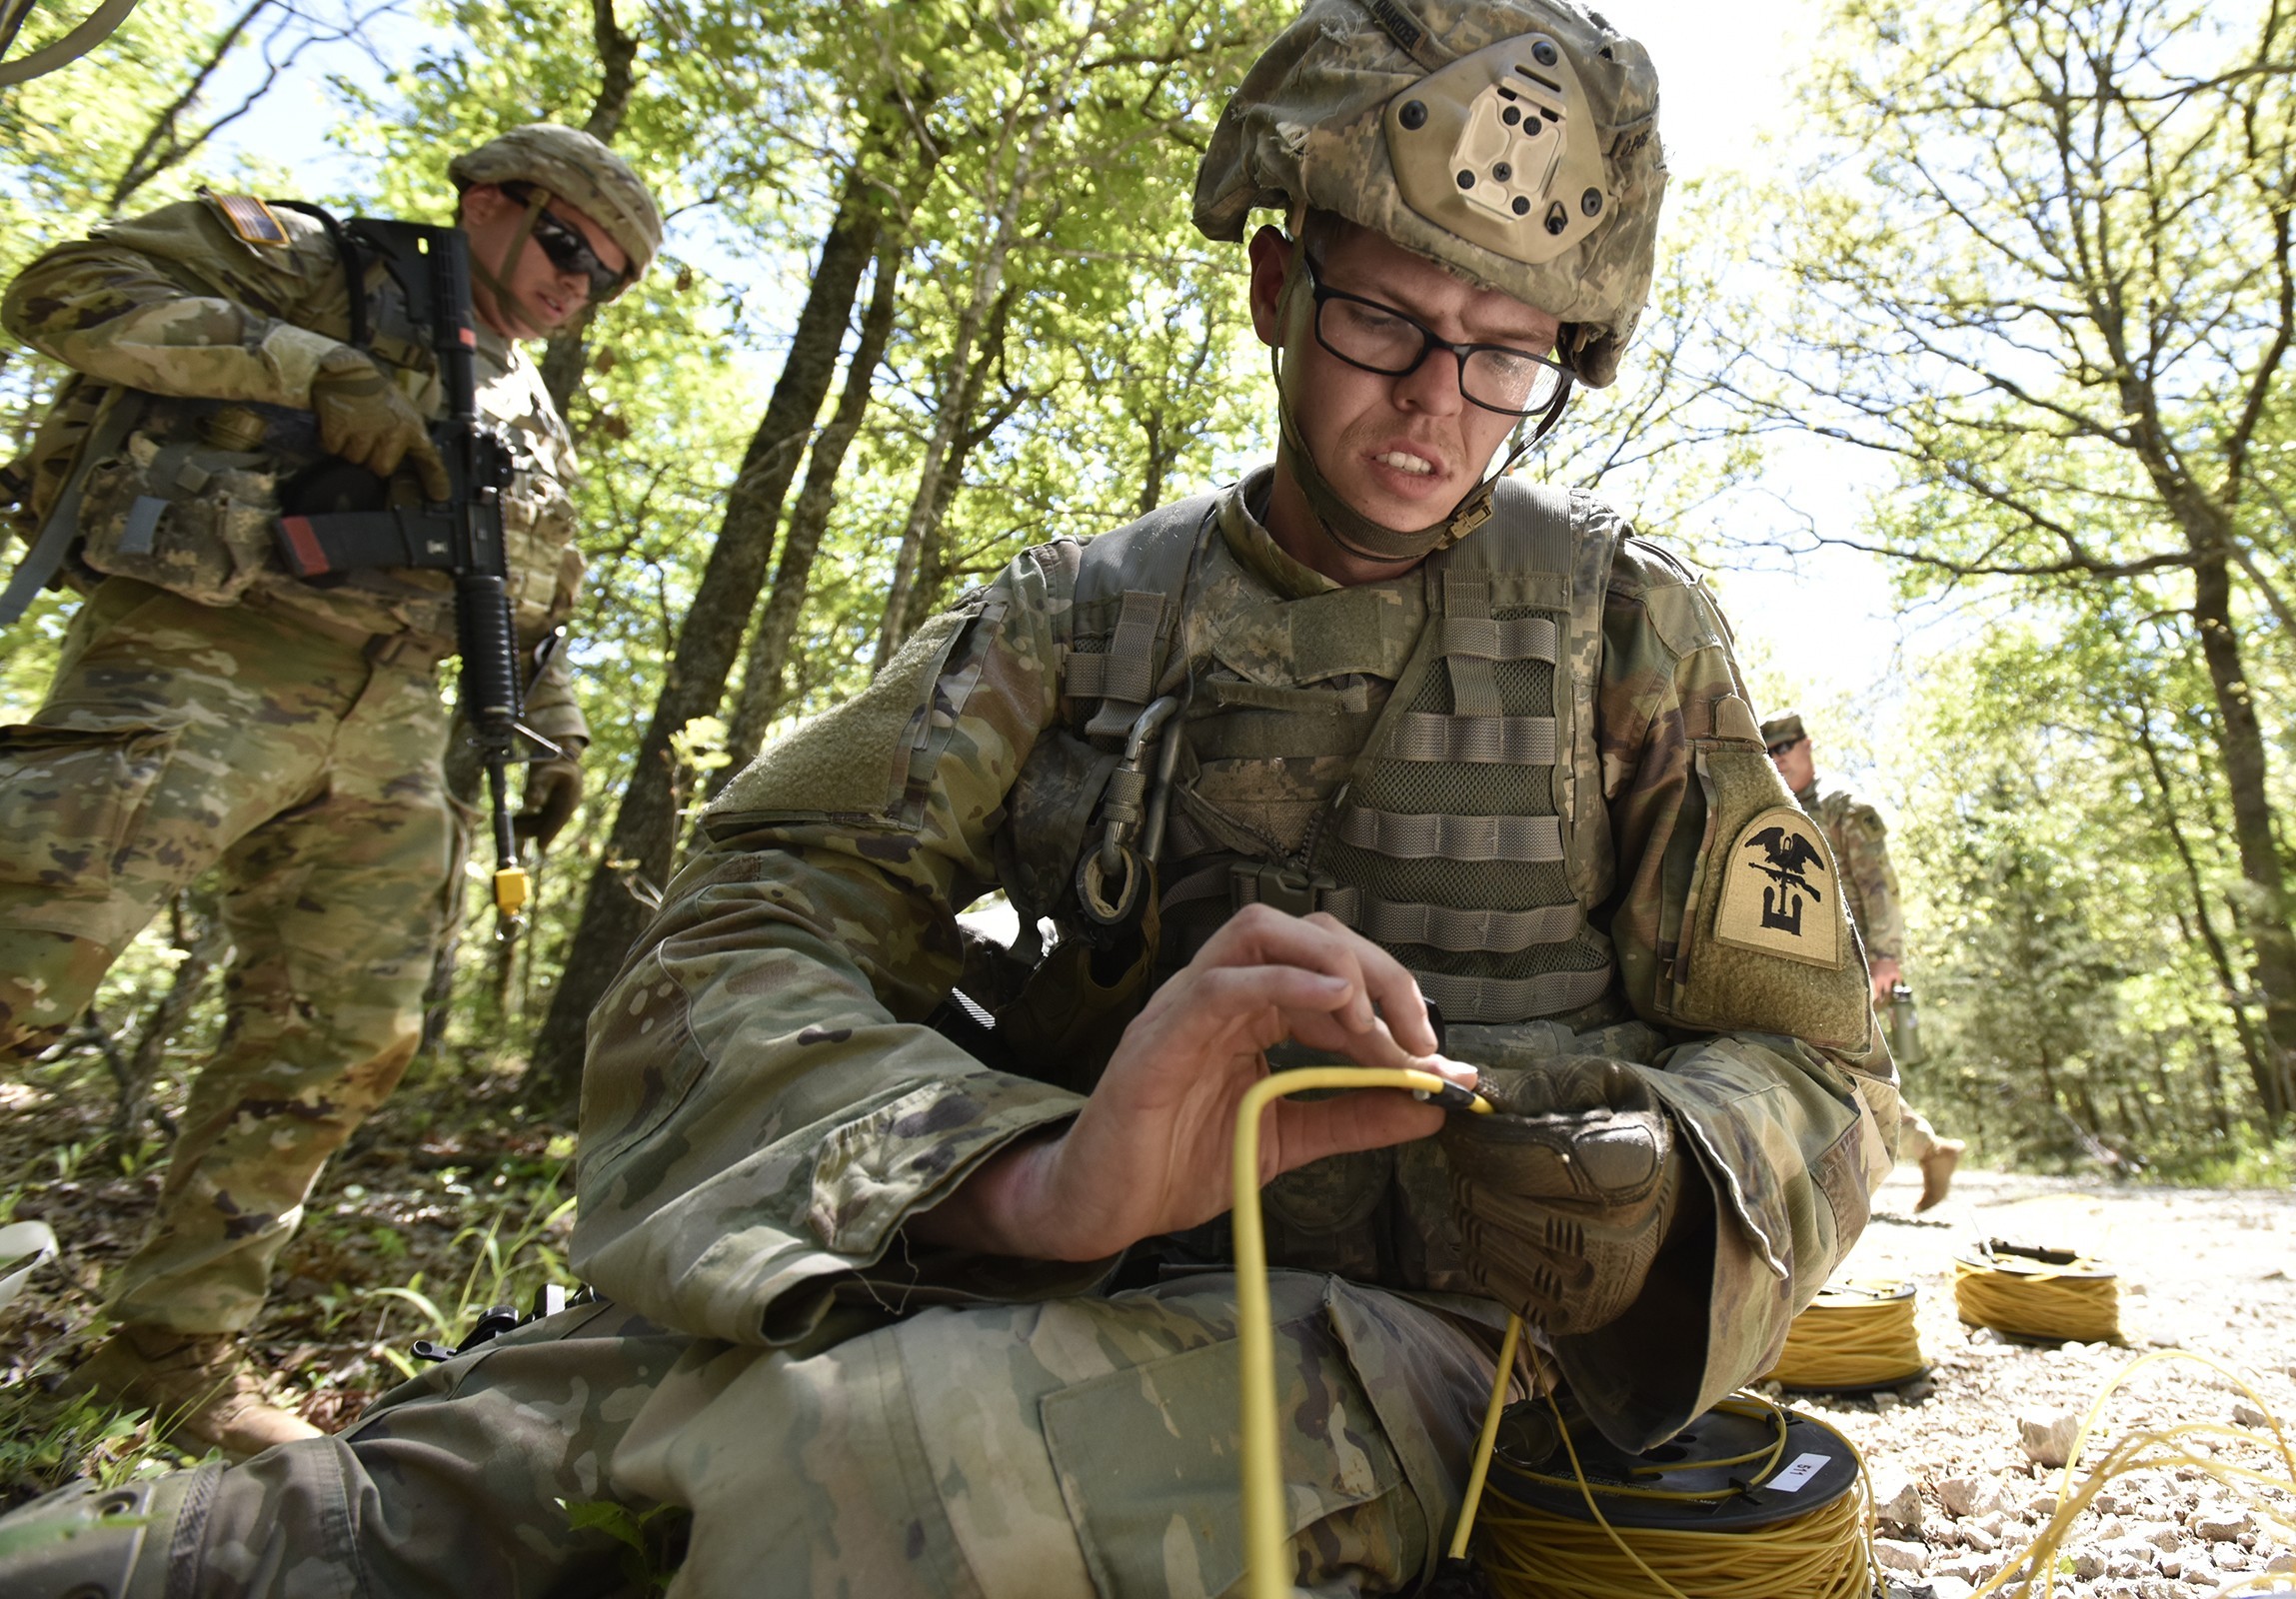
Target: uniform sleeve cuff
[292,355]
[873,1172]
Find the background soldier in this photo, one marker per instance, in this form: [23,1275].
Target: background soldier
[1433,734]
[210,709]
[1869,883]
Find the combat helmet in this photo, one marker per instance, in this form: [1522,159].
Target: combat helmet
[579,169]
[1514,141]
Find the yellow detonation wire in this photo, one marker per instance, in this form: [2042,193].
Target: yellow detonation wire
[2081,1305]
[1265,1534]
[2164,1449]
[1826,1553]
[1852,1337]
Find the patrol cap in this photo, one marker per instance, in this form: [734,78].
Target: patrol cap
[1514,141]
[1783,730]
[579,169]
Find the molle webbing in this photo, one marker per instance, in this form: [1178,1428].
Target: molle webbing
[1123,679]
[1450,926]
[1450,847]
[1494,998]
[1512,740]
[1405,835]
[1448,844]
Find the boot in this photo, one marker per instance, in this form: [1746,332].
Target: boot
[198,1388]
[1937,1172]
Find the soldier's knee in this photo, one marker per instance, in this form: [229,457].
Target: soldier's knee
[46,979]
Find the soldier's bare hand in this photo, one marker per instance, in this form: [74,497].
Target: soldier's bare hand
[1886,974]
[1149,1152]
[368,421]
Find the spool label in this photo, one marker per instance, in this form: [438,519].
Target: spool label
[1797,1475]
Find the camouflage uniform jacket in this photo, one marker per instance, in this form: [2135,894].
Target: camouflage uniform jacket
[763,1104]
[1860,842]
[176,314]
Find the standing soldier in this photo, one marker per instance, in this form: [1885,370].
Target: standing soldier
[211,709]
[1369,726]
[1869,883]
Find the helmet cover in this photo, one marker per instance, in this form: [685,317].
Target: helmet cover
[1513,141]
[580,170]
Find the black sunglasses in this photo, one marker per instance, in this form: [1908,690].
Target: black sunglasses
[564,244]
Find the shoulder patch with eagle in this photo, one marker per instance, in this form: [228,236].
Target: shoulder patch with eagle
[1778,891]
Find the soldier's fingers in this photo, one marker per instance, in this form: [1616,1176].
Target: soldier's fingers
[429,468]
[1392,989]
[1372,1118]
[1258,935]
[1374,1045]
[1266,1002]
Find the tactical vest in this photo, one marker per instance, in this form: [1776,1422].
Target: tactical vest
[184,494]
[1417,758]
[1455,819]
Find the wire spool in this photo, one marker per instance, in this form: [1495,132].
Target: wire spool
[1853,1338]
[2038,1292]
[1747,1502]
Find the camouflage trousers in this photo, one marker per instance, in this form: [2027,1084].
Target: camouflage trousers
[178,737]
[1070,1448]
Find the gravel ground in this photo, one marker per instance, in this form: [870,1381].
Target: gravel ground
[1961,1498]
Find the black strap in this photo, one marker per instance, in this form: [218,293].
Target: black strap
[347,253]
[106,429]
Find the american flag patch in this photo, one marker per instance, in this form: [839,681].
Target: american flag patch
[250,218]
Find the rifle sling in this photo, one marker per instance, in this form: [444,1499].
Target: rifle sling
[63,525]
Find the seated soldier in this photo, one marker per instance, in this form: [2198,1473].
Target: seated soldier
[886,1315]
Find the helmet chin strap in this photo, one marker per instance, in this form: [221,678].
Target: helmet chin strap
[497,276]
[1353,532]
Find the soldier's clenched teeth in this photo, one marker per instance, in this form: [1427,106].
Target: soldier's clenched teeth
[1413,464]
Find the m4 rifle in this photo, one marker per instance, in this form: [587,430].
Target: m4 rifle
[462,535]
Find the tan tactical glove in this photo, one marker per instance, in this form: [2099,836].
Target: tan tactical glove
[553,791]
[366,419]
[1562,1194]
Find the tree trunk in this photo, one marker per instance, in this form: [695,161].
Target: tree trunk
[2240,745]
[2257,1051]
[763,691]
[943,454]
[987,292]
[568,354]
[645,825]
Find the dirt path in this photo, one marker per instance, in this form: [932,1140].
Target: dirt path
[2210,1271]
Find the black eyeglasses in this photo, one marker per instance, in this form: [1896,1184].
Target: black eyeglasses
[564,244]
[1378,338]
